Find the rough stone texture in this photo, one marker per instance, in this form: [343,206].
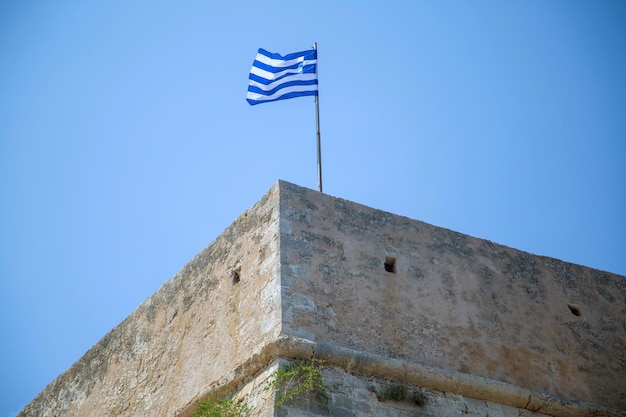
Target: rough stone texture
[485,329]
[353,394]
[190,334]
[455,302]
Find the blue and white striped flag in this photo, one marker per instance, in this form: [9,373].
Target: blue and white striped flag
[276,77]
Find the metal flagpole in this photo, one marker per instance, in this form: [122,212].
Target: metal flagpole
[319,141]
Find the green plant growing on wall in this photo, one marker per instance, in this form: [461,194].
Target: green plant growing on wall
[398,392]
[297,380]
[394,392]
[221,408]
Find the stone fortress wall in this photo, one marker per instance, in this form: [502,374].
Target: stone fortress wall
[193,332]
[484,329]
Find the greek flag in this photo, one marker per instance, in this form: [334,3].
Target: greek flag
[276,77]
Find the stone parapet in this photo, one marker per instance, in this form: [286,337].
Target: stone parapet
[371,281]
[221,309]
[483,328]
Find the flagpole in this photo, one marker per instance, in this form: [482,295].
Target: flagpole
[319,141]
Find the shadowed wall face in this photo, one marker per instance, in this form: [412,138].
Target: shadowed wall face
[372,281]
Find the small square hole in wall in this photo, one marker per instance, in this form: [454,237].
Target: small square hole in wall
[236,275]
[390,264]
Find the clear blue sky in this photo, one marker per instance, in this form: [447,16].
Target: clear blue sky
[127,145]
